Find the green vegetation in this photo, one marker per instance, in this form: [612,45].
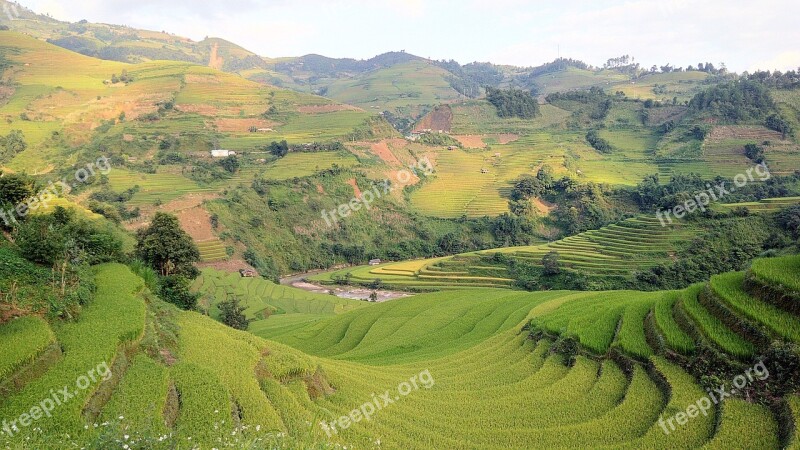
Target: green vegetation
[513,103]
[26,338]
[553,298]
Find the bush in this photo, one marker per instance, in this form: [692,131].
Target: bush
[232,313]
[61,237]
[598,143]
[754,152]
[175,289]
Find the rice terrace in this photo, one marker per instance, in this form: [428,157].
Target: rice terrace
[515,240]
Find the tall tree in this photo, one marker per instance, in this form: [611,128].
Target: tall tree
[167,248]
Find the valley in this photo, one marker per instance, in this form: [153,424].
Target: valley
[309,252]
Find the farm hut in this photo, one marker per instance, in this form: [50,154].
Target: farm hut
[247,273]
[222,153]
[374,262]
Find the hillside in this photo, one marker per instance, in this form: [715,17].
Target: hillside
[208,383]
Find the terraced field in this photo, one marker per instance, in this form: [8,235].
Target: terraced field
[768,205]
[212,250]
[446,363]
[305,164]
[617,250]
[270,306]
[158,187]
[583,405]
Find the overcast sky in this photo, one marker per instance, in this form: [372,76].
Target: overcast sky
[745,35]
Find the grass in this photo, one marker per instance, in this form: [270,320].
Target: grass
[794,405]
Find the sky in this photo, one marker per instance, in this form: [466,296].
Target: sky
[745,35]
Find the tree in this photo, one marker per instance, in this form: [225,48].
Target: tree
[279,149]
[551,264]
[15,188]
[373,297]
[61,236]
[789,220]
[232,313]
[513,103]
[166,248]
[231,164]
[754,153]
[12,144]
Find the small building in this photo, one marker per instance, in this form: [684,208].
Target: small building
[374,262]
[497,155]
[451,147]
[222,153]
[265,130]
[247,273]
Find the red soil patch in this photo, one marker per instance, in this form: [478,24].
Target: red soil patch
[440,119]
[197,223]
[382,150]
[203,110]
[471,141]
[356,190]
[320,109]
[231,265]
[242,125]
[215,61]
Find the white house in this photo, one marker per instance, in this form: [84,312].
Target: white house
[222,153]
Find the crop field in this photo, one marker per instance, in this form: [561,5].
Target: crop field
[682,85]
[465,351]
[161,187]
[616,250]
[767,205]
[212,250]
[297,165]
[269,305]
[779,273]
